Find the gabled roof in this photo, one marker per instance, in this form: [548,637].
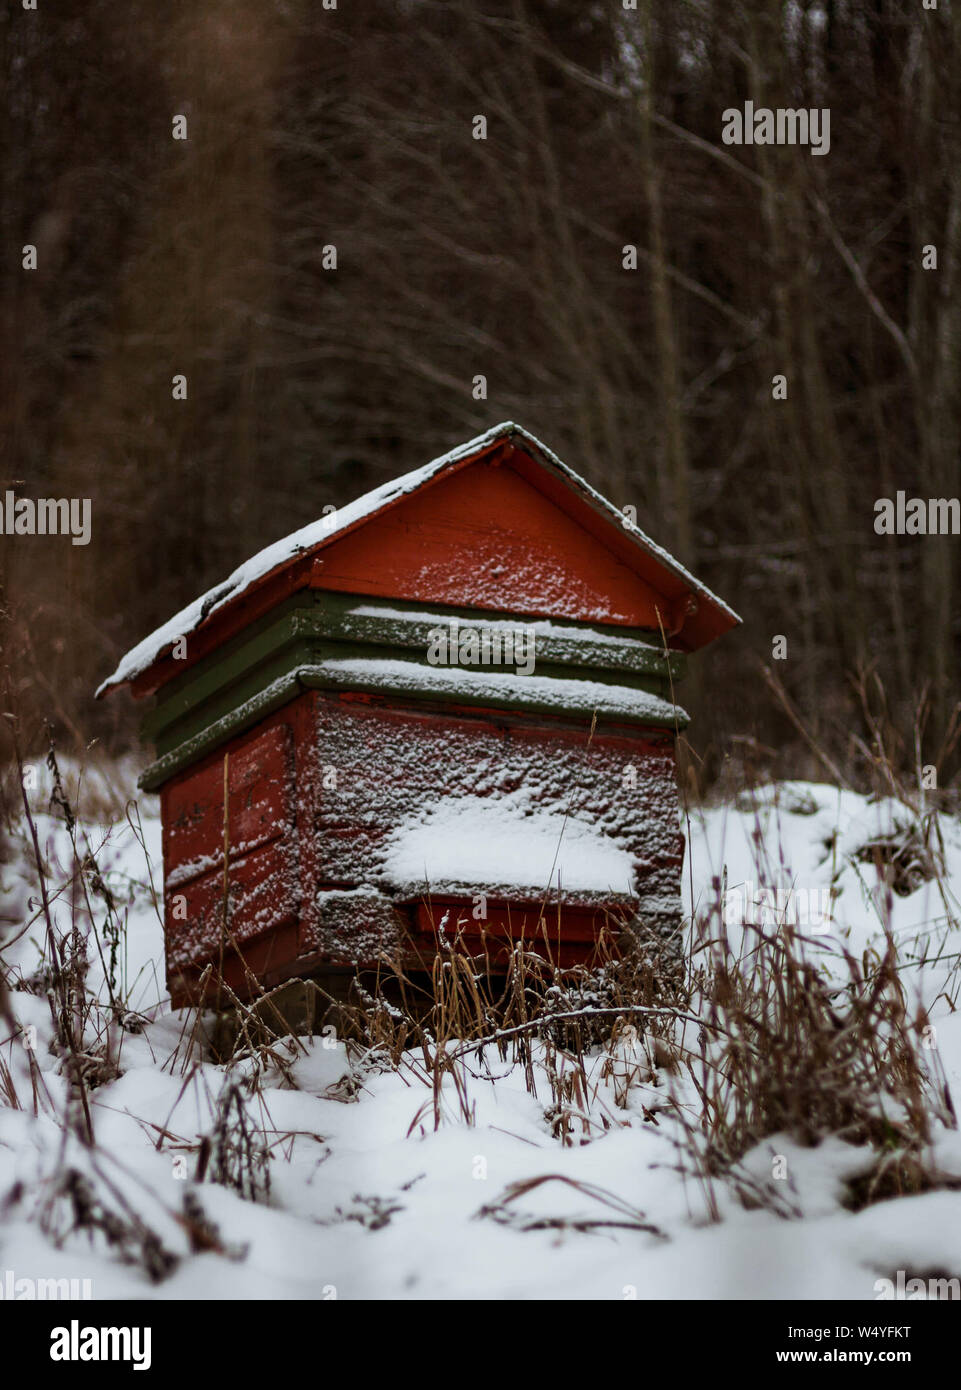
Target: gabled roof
[708,615]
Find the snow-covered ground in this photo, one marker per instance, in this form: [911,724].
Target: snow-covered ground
[368,1198]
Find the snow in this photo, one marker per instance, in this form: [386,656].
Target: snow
[810,835]
[541,627]
[369,1199]
[325,529]
[557,693]
[628,807]
[488,842]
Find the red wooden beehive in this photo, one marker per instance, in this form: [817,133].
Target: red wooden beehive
[394,765]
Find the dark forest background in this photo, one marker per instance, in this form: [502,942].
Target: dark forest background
[352,127]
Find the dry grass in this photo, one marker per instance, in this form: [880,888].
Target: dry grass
[739,1046]
[790,1049]
[461,1006]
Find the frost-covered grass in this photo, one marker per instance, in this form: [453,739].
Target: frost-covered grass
[789,1133]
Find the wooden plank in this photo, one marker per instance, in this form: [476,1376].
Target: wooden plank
[262,897]
[263,891]
[173,729]
[258,801]
[509,921]
[270,959]
[299,625]
[570,941]
[403,688]
[201,680]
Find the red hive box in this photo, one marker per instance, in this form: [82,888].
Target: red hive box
[447,707]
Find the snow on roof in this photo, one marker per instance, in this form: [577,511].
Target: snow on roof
[324,529]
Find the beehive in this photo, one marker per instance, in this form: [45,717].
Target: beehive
[446,707]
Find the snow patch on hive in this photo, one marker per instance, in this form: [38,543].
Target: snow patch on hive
[394,768]
[505,842]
